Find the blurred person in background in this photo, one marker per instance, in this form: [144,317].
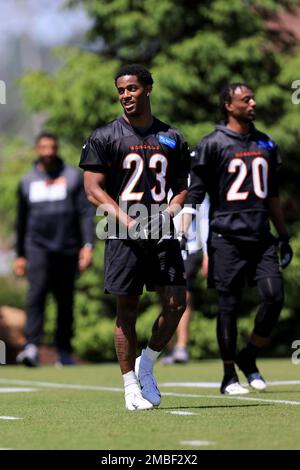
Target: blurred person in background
[55,236]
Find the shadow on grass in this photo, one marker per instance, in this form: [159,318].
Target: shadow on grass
[212,406]
[275,392]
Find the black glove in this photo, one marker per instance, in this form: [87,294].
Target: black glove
[183,245]
[182,241]
[157,226]
[285,250]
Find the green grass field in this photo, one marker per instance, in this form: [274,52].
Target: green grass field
[69,409]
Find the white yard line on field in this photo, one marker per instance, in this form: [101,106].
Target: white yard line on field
[197,443]
[191,384]
[9,418]
[56,385]
[115,389]
[180,413]
[16,390]
[217,384]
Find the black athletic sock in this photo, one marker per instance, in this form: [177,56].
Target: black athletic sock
[229,370]
[252,351]
[246,359]
[230,376]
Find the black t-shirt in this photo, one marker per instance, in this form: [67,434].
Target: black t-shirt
[141,165]
[239,173]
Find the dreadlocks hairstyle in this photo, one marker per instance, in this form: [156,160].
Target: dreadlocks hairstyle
[143,74]
[46,135]
[226,96]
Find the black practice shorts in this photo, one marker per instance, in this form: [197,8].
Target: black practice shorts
[192,265]
[129,266]
[234,262]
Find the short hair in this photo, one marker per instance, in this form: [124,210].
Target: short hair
[226,95]
[143,74]
[46,135]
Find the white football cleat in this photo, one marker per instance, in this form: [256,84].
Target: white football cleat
[233,387]
[135,402]
[148,384]
[256,381]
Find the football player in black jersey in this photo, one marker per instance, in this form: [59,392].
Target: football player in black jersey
[130,165]
[236,164]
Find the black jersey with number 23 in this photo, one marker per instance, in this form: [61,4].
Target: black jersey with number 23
[141,164]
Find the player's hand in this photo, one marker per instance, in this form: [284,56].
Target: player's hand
[157,226]
[181,237]
[182,241]
[85,258]
[134,232]
[19,266]
[285,250]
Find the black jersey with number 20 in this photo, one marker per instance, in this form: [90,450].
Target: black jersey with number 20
[239,173]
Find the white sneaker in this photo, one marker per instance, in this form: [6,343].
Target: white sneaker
[234,389]
[181,356]
[256,381]
[135,402]
[29,356]
[144,373]
[168,359]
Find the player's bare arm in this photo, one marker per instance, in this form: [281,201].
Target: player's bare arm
[94,185]
[176,203]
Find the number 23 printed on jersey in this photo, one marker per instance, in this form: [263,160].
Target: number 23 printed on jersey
[133,161]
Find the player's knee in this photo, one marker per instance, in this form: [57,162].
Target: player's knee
[271,290]
[174,301]
[269,313]
[228,305]
[175,307]
[126,316]
[274,298]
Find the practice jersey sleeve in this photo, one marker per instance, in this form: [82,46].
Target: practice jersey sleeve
[94,155]
[184,160]
[201,160]
[277,155]
[203,153]
[182,168]
[276,161]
